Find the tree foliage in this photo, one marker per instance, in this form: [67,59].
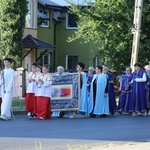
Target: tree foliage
[107,23]
[12,22]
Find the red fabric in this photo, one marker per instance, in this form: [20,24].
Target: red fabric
[65,91]
[0,101]
[43,107]
[35,105]
[30,102]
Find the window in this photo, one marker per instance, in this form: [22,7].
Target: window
[29,15]
[71,21]
[45,59]
[45,22]
[35,14]
[71,61]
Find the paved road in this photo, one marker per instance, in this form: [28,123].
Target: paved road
[65,133]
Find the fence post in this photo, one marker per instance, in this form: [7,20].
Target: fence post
[23,80]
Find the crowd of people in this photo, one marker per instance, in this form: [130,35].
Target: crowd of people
[133,91]
[97,94]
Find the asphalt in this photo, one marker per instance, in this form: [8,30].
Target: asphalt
[65,134]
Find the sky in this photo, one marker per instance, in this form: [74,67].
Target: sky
[64,3]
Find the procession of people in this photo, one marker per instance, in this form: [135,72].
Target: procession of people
[97,94]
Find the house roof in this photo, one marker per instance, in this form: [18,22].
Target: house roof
[31,42]
[63,3]
[48,2]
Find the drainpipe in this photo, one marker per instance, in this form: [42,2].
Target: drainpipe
[55,31]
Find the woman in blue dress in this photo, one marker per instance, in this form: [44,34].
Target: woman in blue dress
[93,91]
[102,97]
[138,102]
[125,91]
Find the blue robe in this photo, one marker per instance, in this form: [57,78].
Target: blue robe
[102,102]
[89,80]
[91,103]
[112,100]
[138,100]
[125,93]
[83,94]
[148,86]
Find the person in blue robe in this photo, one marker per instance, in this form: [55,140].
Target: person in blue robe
[147,69]
[138,102]
[102,98]
[89,76]
[93,91]
[125,91]
[83,91]
[111,93]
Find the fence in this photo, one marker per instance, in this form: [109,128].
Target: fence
[19,86]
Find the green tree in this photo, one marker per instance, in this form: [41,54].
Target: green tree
[144,51]
[107,23]
[12,22]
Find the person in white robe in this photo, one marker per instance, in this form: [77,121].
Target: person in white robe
[30,99]
[7,90]
[43,94]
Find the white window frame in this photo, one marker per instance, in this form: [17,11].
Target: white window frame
[67,27]
[48,21]
[48,58]
[67,59]
[31,11]
[35,15]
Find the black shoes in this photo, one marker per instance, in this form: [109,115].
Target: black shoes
[61,114]
[103,116]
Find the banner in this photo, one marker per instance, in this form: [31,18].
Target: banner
[65,92]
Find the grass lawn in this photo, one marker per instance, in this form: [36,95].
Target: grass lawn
[18,104]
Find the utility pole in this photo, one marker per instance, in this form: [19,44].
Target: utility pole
[136,31]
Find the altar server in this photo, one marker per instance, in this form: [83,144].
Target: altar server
[43,94]
[30,99]
[7,90]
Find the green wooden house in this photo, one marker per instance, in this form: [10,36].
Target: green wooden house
[55,26]
[50,23]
